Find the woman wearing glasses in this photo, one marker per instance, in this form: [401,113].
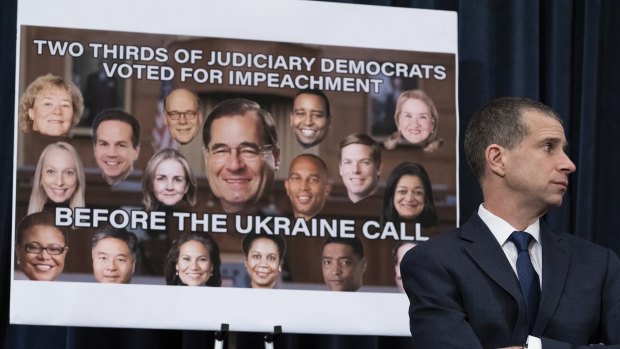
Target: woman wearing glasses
[41,247]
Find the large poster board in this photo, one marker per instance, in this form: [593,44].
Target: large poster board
[245,183]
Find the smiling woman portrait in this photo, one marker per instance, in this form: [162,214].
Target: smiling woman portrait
[50,106]
[417,120]
[409,196]
[58,180]
[194,260]
[264,255]
[41,247]
[168,180]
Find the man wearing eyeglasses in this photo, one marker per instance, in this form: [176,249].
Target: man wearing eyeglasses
[241,153]
[183,115]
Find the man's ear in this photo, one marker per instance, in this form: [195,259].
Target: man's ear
[495,157]
[276,158]
[137,148]
[205,155]
[364,264]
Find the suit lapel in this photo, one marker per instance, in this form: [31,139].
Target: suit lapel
[488,254]
[555,262]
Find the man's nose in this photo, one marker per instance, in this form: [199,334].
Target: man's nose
[111,264]
[357,168]
[111,151]
[234,161]
[308,120]
[567,166]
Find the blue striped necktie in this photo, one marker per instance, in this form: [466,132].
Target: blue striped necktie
[528,278]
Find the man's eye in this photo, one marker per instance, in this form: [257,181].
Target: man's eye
[221,151]
[248,151]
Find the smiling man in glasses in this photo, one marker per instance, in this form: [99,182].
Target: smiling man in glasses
[241,153]
[183,114]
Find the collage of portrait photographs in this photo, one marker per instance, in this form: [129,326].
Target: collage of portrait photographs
[175,160]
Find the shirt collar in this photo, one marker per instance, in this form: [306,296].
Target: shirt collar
[502,229]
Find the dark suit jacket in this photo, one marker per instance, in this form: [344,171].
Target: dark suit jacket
[464,294]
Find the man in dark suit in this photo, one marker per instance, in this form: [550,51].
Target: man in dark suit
[504,279]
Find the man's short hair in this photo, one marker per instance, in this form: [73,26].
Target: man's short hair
[198,101]
[42,218]
[499,122]
[360,138]
[313,157]
[311,91]
[240,106]
[354,242]
[119,115]
[128,238]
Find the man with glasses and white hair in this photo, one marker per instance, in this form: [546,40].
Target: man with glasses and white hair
[241,153]
[183,113]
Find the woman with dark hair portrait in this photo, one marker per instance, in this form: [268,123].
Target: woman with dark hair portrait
[58,179]
[417,120]
[168,181]
[41,247]
[264,255]
[409,196]
[50,106]
[194,260]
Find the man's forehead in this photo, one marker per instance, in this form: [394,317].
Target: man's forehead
[223,135]
[337,250]
[306,165]
[111,243]
[114,129]
[181,98]
[309,96]
[543,125]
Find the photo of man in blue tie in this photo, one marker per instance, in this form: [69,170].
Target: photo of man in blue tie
[504,279]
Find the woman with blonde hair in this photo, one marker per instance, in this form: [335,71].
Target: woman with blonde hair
[168,180]
[59,178]
[417,120]
[51,106]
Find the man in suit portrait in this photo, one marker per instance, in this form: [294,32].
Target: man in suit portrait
[241,153]
[505,279]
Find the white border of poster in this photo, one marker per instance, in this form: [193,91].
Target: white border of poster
[148,306]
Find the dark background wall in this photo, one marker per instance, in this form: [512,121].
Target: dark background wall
[564,53]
